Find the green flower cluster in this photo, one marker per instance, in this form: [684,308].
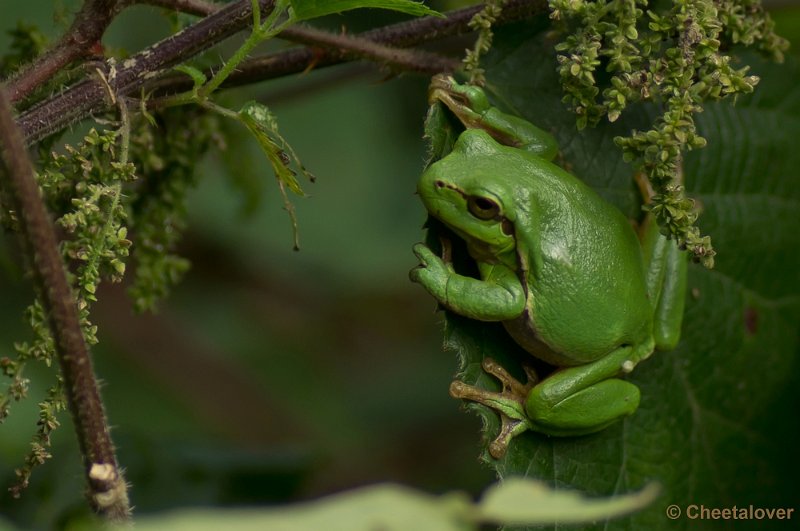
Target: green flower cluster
[94,195]
[619,52]
[83,188]
[482,23]
[49,408]
[167,156]
[85,185]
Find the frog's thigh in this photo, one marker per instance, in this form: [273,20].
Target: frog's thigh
[666,284]
[668,315]
[587,411]
[587,398]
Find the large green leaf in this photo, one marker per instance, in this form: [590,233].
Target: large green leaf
[392,507]
[717,423]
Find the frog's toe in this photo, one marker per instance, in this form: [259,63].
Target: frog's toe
[414,274]
[423,253]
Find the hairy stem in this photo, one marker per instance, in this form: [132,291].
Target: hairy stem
[260,33]
[321,53]
[89,96]
[348,46]
[87,28]
[107,490]
[192,7]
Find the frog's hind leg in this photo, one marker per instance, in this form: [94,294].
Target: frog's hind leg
[509,403]
[587,411]
[666,269]
[588,398]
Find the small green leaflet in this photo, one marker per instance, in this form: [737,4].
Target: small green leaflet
[306,9]
[260,121]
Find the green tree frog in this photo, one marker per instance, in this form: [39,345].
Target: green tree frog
[561,268]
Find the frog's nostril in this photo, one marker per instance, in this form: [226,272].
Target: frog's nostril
[439,184]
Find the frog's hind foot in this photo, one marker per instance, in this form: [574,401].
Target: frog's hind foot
[509,403]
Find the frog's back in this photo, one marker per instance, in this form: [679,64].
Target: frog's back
[586,279]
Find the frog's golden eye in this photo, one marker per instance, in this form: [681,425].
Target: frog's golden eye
[482,207]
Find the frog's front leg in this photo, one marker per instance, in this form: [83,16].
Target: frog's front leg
[572,401]
[498,297]
[470,105]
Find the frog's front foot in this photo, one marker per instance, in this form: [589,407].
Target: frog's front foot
[468,102]
[509,403]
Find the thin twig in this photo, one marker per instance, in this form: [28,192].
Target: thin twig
[107,489]
[87,28]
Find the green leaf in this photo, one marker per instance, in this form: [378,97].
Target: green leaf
[393,507]
[518,501]
[260,121]
[306,9]
[441,131]
[717,421]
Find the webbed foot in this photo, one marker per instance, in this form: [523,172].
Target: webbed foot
[509,403]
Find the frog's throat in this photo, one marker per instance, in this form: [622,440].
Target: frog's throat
[487,253]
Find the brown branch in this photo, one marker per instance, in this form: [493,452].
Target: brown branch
[200,8]
[401,35]
[348,47]
[87,28]
[107,489]
[89,96]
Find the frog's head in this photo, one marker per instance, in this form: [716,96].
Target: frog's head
[472,190]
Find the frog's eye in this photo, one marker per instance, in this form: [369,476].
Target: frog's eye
[482,207]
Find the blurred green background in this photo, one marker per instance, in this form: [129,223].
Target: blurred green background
[272,375]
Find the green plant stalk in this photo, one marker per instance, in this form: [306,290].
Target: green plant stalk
[260,33]
[222,111]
